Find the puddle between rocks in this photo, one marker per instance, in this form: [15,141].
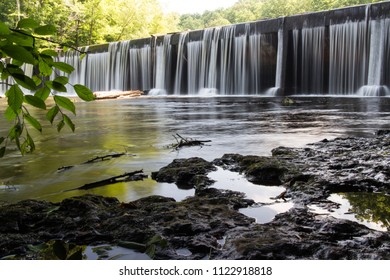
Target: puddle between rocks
[108,252]
[369,209]
[266,207]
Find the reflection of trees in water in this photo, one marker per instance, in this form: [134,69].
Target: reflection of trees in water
[372,207]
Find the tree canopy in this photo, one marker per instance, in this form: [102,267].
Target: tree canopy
[88,22]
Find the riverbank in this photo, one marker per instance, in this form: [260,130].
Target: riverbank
[209,224]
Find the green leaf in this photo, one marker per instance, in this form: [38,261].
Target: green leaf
[52,113]
[16,62]
[84,93]
[2,152]
[60,125]
[33,122]
[27,23]
[15,132]
[59,249]
[24,81]
[82,56]
[10,114]
[45,30]
[56,86]
[2,140]
[77,255]
[21,39]
[19,53]
[69,122]
[65,103]
[4,29]
[49,52]
[30,143]
[64,67]
[35,101]
[43,93]
[37,80]
[62,80]
[44,68]
[15,98]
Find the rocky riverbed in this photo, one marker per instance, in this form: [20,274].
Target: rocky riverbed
[209,225]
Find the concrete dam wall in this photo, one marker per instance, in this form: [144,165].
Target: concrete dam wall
[338,52]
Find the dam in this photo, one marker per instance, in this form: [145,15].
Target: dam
[338,52]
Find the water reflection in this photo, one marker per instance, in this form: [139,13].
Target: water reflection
[369,209]
[144,127]
[267,206]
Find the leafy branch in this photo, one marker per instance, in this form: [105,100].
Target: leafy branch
[17,49]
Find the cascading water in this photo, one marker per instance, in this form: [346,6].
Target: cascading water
[163,64]
[339,58]
[379,60]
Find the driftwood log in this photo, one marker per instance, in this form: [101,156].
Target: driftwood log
[99,95]
[127,177]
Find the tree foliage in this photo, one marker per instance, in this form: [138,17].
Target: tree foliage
[19,52]
[252,10]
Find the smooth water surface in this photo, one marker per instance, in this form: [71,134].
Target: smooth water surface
[144,127]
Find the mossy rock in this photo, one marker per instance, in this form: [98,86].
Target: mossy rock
[186,173]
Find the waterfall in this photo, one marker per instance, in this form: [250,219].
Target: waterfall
[180,61]
[313,40]
[163,63]
[348,55]
[378,64]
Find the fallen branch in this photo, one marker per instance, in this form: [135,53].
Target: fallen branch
[102,158]
[127,177]
[187,142]
[95,159]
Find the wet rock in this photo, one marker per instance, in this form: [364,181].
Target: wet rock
[199,223]
[259,170]
[186,173]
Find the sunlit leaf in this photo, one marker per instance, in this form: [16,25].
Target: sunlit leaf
[82,56]
[69,122]
[16,62]
[52,113]
[44,68]
[4,29]
[15,98]
[27,23]
[33,122]
[43,93]
[49,52]
[45,30]
[84,93]
[65,103]
[64,67]
[10,114]
[19,53]
[37,80]
[35,101]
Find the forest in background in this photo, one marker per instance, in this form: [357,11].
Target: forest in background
[89,22]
